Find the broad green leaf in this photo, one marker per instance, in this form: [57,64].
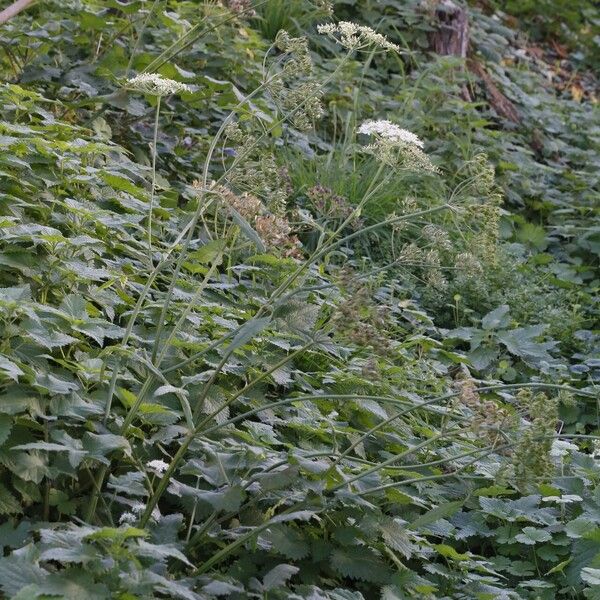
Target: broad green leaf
[532,535]
[246,229]
[278,576]
[433,515]
[9,505]
[497,318]
[590,576]
[360,563]
[10,369]
[18,571]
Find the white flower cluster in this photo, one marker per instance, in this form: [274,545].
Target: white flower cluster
[136,509]
[356,37]
[396,147]
[390,131]
[562,448]
[158,467]
[157,85]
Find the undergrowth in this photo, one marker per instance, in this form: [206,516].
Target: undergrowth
[286,313]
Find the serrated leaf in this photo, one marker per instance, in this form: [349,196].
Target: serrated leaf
[278,576]
[396,536]
[439,512]
[532,535]
[227,500]
[18,571]
[287,541]
[116,534]
[10,369]
[161,552]
[590,576]
[246,229]
[6,424]
[360,563]
[497,318]
[9,505]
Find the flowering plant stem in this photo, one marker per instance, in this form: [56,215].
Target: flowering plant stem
[153,188]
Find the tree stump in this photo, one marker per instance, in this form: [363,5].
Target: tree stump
[452,39]
[452,36]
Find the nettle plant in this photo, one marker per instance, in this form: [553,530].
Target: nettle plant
[177,418]
[496,343]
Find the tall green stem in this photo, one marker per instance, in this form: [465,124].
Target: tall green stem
[154,153]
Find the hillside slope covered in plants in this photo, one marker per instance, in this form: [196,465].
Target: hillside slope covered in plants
[299,300]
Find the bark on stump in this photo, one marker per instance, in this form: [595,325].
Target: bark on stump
[452,39]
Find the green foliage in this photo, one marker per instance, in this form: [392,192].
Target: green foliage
[246,357]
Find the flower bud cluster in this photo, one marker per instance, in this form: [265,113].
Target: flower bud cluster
[532,459]
[274,230]
[241,7]
[300,100]
[328,204]
[255,172]
[359,319]
[487,417]
[438,237]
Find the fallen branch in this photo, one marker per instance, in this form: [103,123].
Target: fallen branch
[14,9]
[499,102]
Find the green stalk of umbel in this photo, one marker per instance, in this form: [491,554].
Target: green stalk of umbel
[186,234]
[147,384]
[205,173]
[396,457]
[183,448]
[488,450]
[482,452]
[427,404]
[223,553]
[190,37]
[189,438]
[153,188]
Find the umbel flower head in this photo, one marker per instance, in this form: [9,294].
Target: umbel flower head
[156,85]
[391,131]
[396,147]
[356,37]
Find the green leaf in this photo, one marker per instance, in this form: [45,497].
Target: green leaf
[10,369]
[227,500]
[532,535]
[116,534]
[560,567]
[278,576]
[247,332]
[396,536]
[99,445]
[6,424]
[29,466]
[590,576]
[18,571]
[46,337]
[449,552]
[9,505]
[209,252]
[360,563]
[287,541]
[75,584]
[497,318]
[435,514]
[246,229]
[160,552]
